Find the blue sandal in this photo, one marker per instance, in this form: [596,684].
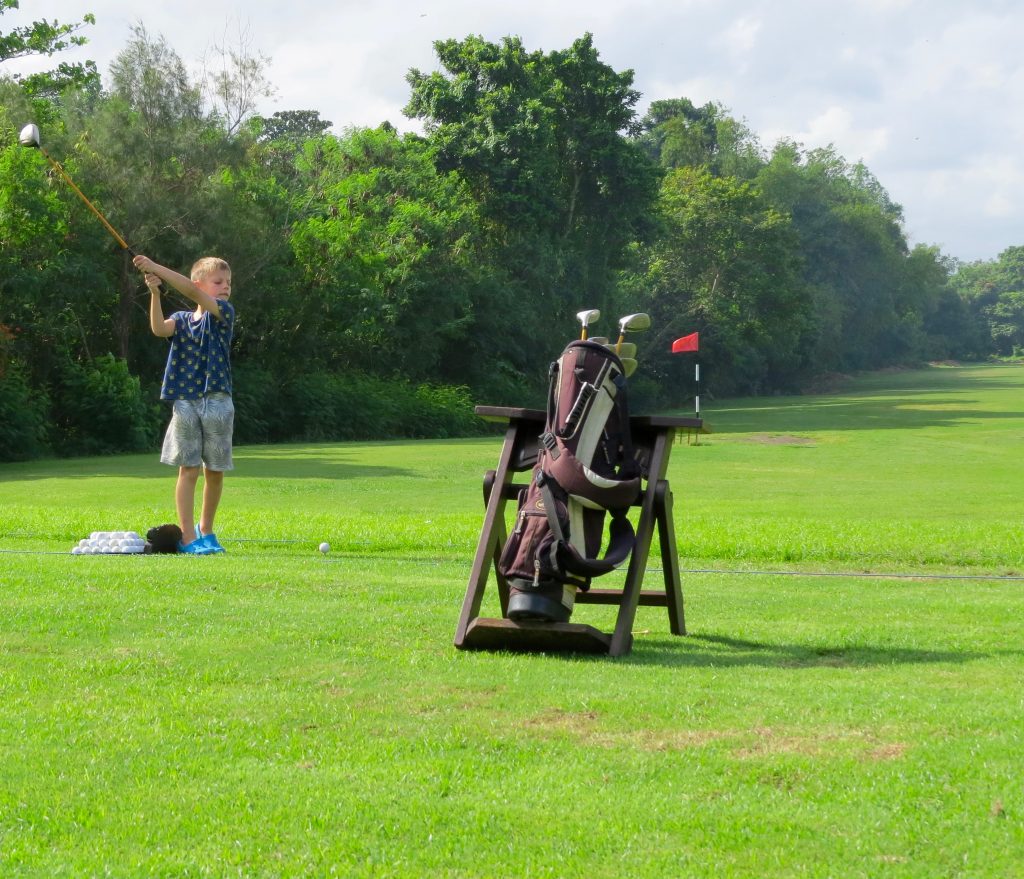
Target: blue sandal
[196,547]
[211,543]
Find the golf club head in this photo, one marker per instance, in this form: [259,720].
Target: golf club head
[601,340]
[29,136]
[626,349]
[628,366]
[586,318]
[634,323]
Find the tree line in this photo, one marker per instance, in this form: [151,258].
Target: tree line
[385,281]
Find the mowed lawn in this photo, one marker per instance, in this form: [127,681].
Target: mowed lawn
[848,702]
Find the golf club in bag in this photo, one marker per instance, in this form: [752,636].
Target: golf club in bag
[585,471]
[29,137]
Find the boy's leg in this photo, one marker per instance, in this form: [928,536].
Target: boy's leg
[213,487]
[185,501]
[218,415]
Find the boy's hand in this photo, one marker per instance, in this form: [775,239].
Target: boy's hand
[153,282]
[144,264]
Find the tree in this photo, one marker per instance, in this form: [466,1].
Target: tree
[236,79]
[48,38]
[854,251]
[295,126]
[727,266]
[389,261]
[676,134]
[994,293]
[539,138]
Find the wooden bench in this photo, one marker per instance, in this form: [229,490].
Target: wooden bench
[653,437]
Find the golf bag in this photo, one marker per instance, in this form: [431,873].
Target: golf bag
[585,470]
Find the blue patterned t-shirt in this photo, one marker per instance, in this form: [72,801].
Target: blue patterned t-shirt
[199,362]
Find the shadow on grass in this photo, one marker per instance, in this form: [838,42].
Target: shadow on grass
[912,400]
[897,413]
[248,465]
[722,652]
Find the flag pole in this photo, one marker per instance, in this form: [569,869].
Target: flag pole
[696,397]
[691,343]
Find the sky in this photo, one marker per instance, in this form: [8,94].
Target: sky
[927,93]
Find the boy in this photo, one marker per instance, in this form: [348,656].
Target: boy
[198,379]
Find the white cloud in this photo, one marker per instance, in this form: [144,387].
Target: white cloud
[741,36]
[836,126]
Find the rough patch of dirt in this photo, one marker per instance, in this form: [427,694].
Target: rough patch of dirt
[785,439]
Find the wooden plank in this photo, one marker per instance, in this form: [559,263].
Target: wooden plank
[506,413]
[648,598]
[491,634]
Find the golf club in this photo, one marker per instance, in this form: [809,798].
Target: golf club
[632,323]
[586,318]
[628,366]
[626,349]
[29,137]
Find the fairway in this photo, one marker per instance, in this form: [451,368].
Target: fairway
[847,704]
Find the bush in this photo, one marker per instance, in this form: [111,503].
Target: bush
[22,418]
[257,397]
[446,411]
[98,408]
[331,406]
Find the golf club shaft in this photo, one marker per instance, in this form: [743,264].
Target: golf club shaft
[88,203]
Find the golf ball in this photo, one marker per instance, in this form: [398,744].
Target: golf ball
[325,547]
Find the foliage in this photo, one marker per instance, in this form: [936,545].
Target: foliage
[48,38]
[357,406]
[98,409]
[22,412]
[994,293]
[538,138]
[727,267]
[414,267]
[390,264]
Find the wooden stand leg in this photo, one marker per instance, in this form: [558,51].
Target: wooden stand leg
[490,533]
[669,557]
[622,638]
[499,544]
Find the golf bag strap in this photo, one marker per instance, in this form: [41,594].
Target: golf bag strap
[630,468]
[550,510]
[621,538]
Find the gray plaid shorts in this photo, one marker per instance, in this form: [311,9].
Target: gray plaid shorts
[200,433]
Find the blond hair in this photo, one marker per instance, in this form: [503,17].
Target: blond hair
[203,268]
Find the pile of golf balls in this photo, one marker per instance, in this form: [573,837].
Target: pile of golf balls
[108,542]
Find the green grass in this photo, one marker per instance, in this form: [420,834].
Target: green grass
[275,712]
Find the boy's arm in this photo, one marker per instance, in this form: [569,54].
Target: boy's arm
[180,283]
[161,326]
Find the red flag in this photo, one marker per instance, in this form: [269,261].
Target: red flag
[686,343]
